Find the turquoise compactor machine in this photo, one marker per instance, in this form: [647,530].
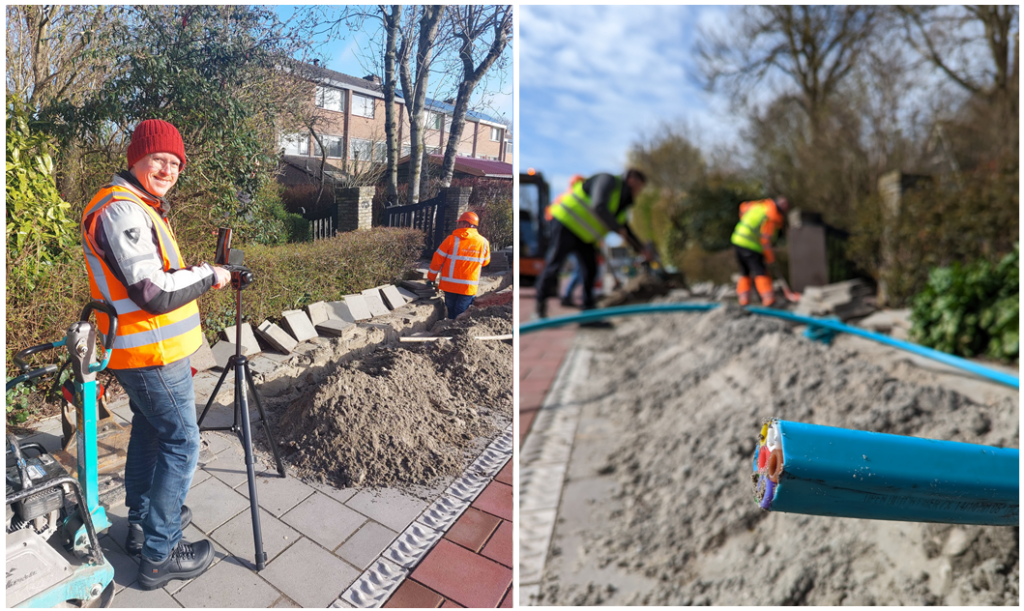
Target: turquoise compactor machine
[53,520]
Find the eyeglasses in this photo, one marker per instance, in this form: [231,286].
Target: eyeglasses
[168,165]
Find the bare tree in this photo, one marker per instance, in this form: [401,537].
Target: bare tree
[392,17]
[471,24]
[421,30]
[814,47]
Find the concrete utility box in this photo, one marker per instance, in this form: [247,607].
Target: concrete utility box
[808,253]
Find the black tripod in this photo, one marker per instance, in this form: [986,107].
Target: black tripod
[241,277]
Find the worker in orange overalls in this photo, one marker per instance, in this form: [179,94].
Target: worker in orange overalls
[458,260]
[752,239]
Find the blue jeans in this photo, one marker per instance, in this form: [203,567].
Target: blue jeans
[457,304]
[162,453]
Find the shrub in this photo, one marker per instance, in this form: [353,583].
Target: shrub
[971,309]
[496,223]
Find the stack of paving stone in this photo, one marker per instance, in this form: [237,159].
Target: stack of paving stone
[500,260]
[420,289]
[845,300]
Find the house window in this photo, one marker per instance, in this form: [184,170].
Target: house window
[508,148]
[333,144]
[434,120]
[362,105]
[295,144]
[367,149]
[330,98]
[495,134]
[406,149]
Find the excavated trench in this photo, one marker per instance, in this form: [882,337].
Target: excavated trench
[404,413]
[657,509]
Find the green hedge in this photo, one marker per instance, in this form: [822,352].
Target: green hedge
[972,309]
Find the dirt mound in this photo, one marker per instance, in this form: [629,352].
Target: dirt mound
[688,393]
[404,414]
[641,289]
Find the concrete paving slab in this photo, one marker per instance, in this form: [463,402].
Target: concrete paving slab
[310,575]
[357,307]
[375,303]
[284,603]
[298,324]
[199,477]
[408,295]
[204,383]
[218,442]
[391,508]
[341,311]
[338,494]
[318,312]
[134,597]
[118,531]
[276,337]
[277,494]
[249,344]
[336,327]
[221,413]
[213,503]
[222,351]
[264,368]
[126,569]
[392,298]
[309,519]
[236,536]
[228,584]
[229,468]
[366,544]
[203,358]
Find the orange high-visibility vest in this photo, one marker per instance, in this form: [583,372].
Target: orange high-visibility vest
[459,259]
[143,339]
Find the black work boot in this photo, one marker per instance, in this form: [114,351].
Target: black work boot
[136,539]
[540,311]
[188,560]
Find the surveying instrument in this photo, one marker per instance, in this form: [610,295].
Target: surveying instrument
[241,277]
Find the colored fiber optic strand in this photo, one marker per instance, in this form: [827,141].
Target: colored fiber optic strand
[828,471]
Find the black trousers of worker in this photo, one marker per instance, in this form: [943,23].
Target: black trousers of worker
[751,262]
[564,242]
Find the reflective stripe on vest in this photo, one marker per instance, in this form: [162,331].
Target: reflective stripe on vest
[747,233]
[575,210]
[143,339]
[460,273]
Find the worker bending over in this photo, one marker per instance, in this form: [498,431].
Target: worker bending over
[581,218]
[752,239]
[458,260]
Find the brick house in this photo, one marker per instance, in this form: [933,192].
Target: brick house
[353,133]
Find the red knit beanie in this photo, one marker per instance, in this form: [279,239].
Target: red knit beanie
[155,136]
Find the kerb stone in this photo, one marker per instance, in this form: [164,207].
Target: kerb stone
[249,343]
[339,310]
[298,324]
[357,307]
[336,327]
[203,358]
[318,312]
[276,337]
[375,303]
[407,294]
[392,298]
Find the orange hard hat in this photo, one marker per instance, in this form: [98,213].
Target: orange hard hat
[575,179]
[471,218]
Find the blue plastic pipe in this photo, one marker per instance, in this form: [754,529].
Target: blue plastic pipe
[818,323]
[830,471]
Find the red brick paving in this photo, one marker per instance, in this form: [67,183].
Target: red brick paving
[471,565]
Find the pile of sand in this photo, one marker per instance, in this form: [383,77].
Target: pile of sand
[405,414]
[687,392]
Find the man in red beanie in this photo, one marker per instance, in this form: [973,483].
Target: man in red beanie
[135,265]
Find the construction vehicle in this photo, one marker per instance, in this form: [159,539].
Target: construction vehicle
[534,228]
[53,519]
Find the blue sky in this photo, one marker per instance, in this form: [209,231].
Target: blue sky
[349,53]
[593,79]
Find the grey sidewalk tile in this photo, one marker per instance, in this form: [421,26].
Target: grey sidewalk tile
[228,584]
[218,442]
[229,468]
[324,520]
[310,575]
[126,569]
[389,507]
[298,324]
[338,494]
[199,477]
[249,344]
[369,541]
[134,597]
[213,503]
[284,603]
[118,530]
[278,494]
[236,536]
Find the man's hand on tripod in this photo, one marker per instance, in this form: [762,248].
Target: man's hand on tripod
[222,277]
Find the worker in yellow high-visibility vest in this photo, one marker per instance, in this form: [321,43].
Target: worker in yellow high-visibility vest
[581,218]
[752,240]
